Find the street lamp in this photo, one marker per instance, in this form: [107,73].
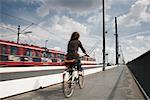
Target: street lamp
[106,58]
[27,32]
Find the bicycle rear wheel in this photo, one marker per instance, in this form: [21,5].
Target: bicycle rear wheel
[81,80]
[68,87]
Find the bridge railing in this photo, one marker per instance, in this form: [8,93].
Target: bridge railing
[140,67]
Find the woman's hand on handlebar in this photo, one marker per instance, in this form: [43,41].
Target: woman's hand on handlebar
[87,55]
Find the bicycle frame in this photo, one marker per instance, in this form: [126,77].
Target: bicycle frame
[70,80]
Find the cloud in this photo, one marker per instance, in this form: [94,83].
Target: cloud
[140,37]
[148,9]
[138,13]
[65,25]
[57,48]
[93,19]
[27,1]
[97,18]
[75,6]
[135,45]
[8,32]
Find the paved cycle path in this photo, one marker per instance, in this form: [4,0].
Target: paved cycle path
[113,84]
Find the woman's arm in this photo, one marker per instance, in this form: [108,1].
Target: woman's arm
[83,50]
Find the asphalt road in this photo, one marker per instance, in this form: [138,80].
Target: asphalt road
[29,74]
[113,84]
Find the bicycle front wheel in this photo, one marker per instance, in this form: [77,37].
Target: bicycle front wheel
[81,80]
[68,87]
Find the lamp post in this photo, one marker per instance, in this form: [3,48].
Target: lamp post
[18,34]
[116,34]
[46,43]
[103,5]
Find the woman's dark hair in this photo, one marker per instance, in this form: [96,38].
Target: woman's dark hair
[75,36]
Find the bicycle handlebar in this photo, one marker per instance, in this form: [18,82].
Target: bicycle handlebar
[85,55]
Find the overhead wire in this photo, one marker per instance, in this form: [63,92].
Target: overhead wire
[33,23]
[27,27]
[93,47]
[138,33]
[9,29]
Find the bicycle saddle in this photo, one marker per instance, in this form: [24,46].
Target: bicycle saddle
[70,61]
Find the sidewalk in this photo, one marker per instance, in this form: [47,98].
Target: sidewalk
[113,84]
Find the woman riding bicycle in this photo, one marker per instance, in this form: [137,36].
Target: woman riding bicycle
[72,49]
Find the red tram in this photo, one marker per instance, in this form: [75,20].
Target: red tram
[13,54]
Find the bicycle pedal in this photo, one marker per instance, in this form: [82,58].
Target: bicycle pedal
[73,84]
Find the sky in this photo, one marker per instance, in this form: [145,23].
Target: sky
[55,20]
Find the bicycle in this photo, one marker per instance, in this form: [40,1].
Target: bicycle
[71,78]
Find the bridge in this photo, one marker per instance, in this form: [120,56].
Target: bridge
[118,82]
[49,20]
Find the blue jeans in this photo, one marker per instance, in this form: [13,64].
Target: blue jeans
[78,64]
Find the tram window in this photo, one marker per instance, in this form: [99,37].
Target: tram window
[28,52]
[3,49]
[13,50]
[49,55]
[58,55]
[61,56]
[44,54]
[37,54]
[54,60]
[54,55]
